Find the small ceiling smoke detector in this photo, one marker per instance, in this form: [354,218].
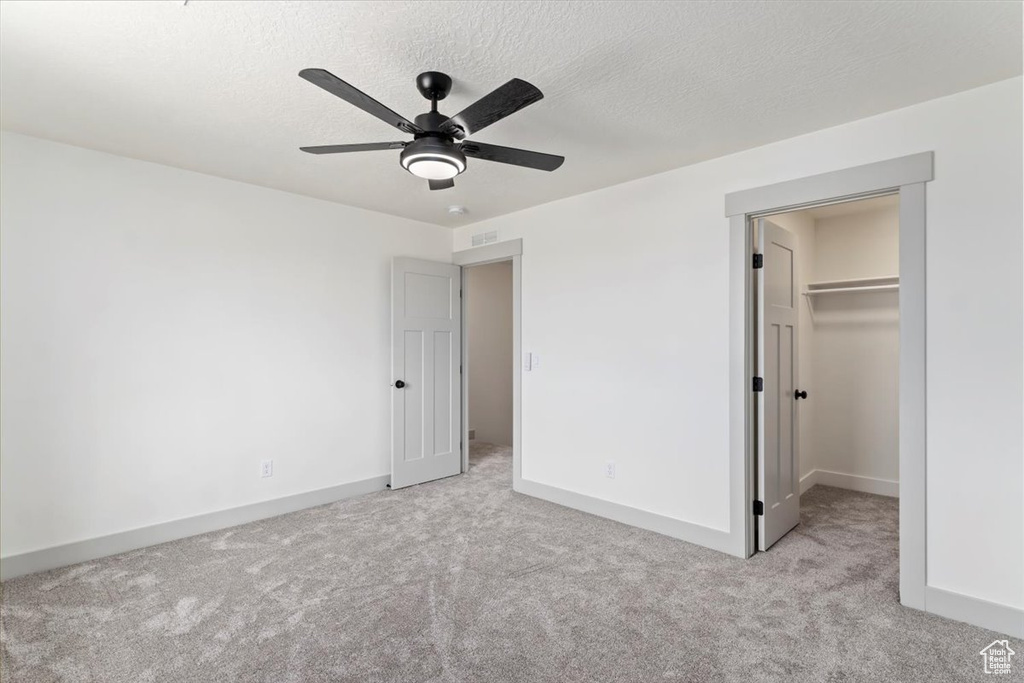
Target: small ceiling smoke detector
[457,210]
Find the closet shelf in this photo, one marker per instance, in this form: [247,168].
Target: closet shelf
[869,284]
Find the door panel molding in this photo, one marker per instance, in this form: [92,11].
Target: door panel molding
[777,321]
[426,328]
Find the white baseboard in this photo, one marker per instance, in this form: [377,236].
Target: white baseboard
[808,480]
[990,615]
[651,521]
[103,546]
[852,482]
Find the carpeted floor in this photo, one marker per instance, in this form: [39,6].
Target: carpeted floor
[462,580]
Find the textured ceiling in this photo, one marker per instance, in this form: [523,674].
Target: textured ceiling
[630,88]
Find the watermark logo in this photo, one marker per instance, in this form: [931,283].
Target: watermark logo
[997,657]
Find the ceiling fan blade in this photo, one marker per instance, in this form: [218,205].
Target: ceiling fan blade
[508,99]
[365,147]
[338,87]
[511,155]
[441,184]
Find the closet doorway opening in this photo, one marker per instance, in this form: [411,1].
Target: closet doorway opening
[907,177]
[827,337]
[488,365]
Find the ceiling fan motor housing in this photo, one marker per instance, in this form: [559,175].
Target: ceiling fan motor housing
[431,122]
[433,154]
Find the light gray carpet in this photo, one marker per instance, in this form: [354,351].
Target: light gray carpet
[462,580]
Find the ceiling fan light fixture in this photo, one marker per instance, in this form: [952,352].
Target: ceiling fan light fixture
[439,147]
[432,168]
[433,159]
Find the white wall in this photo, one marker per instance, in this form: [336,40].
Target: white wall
[858,245]
[163,331]
[625,296]
[489,325]
[855,351]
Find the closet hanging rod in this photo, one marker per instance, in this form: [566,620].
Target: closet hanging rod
[870,288]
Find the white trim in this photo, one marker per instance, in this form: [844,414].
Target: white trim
[651,521]
[913,397]
[906,175]
[990,615]
[489,253]
[103,546]
[868,179]
[807,481]
[851,482]
[511,250]
[517,369]
[742,480]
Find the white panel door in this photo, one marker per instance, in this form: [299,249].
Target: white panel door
[778,480]
[426,350]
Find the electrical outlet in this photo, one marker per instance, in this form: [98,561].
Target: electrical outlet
[609,469]
[267,468]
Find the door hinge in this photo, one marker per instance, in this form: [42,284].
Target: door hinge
[758,384]
[460,369]
[758,261]
[758,508]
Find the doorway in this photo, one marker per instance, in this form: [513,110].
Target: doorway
[487,325]
[509,251]
[827,333]
[429,416]
[906,176]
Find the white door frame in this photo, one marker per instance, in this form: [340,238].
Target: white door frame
[512,250]
[906,176]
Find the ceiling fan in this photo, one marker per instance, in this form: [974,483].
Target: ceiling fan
[439,146]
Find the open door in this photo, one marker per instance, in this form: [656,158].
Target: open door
[778,471]
[426,349]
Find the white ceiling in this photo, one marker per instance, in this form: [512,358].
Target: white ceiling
[630,88]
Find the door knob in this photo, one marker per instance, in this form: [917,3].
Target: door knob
[800,394]
[399,384]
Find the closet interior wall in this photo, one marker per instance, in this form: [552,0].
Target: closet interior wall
[849,346]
